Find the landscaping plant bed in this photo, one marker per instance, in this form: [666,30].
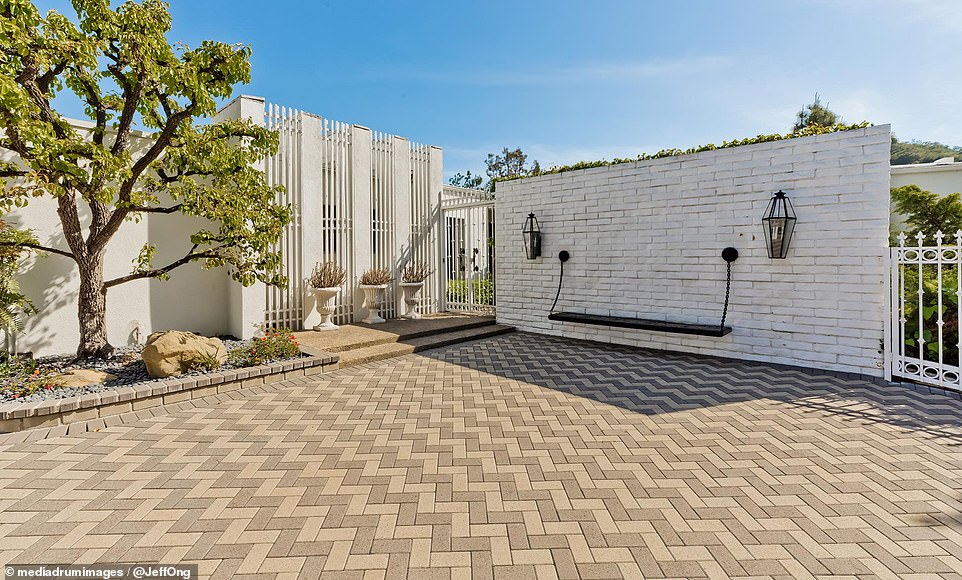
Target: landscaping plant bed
[125,364]
[31,396]
[29,381]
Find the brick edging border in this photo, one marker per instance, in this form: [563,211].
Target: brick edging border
[16,417]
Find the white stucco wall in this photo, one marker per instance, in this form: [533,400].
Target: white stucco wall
[193,299]
[645,240]
[943,178]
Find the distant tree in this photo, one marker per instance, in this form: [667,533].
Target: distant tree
[466,179]
[815,114]
[509,163]
[906,153]
[927,212]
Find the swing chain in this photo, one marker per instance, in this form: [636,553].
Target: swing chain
[728,291]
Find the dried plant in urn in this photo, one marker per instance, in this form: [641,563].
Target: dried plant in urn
[415,273]
[327,275]
[412,280]
[373,282]
[376,277]
[325,282]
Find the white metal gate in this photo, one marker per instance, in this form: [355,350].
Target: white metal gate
[467,252]
[922,338]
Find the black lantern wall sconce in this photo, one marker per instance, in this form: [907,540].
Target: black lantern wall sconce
[532,237]
[779,223]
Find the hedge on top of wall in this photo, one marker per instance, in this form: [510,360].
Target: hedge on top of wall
[805,132]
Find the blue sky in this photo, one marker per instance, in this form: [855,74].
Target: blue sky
[571,81]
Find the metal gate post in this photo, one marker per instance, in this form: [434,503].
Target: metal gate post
[469,256]
[891,301]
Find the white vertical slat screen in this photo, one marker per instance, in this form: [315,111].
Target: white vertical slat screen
[425,216]
[383,254]
[337,209]
[286,307]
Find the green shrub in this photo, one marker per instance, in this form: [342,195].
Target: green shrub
[276,344]
[930,313]
[804,132]
[207,361]
[483,290]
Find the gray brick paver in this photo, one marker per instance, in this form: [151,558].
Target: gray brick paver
[507,455]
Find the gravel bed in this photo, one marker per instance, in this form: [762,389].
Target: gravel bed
[125,365]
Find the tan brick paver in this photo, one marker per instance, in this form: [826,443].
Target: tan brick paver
[516,457]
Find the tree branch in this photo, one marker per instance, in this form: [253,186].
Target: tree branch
[28,80]
[191,256]
[94,100]
[70,220]
[173,178]
[145,209]
[14,141]
[44,80]
[37,247]
[118,216]
[131,99]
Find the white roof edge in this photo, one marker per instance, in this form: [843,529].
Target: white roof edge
[927,167]
[86,124]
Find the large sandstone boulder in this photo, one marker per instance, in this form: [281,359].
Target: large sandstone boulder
[175,352]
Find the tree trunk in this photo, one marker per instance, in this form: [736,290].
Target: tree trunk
[92,309]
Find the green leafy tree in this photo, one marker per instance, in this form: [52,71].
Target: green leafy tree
[815,114]
[905,153]
[466,179]
[13,303]
[509,164]
[927,212]
[119,62]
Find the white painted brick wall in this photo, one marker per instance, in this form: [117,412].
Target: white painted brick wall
[645,240]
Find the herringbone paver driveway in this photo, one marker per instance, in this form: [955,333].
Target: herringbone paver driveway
[517,457]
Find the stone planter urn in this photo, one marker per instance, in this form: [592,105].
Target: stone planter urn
[372,297]
[324,299]
[411,299]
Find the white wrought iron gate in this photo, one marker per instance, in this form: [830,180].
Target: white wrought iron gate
[467,252]
[923,340]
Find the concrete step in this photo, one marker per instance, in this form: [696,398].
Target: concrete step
[355,336]
[392,349]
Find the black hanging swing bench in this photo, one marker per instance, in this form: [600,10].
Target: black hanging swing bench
[716,330]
